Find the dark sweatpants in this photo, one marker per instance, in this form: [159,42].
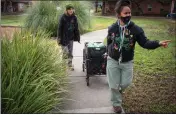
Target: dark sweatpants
[68,52]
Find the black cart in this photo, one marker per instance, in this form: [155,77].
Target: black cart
[94,59]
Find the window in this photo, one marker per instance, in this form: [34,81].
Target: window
[149,7]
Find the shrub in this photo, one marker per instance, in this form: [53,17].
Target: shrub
[33,73]
[44,14]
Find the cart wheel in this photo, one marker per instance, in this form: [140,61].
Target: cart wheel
[87,80]
[83,67]
[84,54]
[87,72]
[87,67]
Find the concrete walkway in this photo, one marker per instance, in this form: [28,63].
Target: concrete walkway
[87,99]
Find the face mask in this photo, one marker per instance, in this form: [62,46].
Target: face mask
[125,19]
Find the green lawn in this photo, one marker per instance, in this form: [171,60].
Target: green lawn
[99,23]
[153,89]
[12,20]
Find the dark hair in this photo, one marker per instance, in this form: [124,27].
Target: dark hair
[120,4]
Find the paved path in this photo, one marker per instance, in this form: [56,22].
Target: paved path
[84,99]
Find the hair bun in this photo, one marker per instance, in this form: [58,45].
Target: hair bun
[120,4]
[125,2]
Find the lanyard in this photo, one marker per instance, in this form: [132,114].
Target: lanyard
[122,37]
[122,34]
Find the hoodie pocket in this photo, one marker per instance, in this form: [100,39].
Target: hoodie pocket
[113,51]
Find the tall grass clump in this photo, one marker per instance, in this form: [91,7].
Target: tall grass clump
[33,74]
[44,14]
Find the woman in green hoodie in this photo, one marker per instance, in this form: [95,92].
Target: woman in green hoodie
[121,40]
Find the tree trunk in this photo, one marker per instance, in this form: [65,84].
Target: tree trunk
[5,6]
[103,8]
[172,6]
[96,6]
[11,7]
[138,5]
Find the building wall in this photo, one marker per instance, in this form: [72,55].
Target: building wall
[156,8]
[15,6]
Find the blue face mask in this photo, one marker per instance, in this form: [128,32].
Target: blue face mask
[125,19]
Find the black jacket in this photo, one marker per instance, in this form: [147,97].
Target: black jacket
[68,29]
[133,34]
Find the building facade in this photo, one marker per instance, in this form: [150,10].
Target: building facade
[11,6]
[143,7]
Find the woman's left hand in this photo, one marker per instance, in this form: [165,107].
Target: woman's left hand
[164,43]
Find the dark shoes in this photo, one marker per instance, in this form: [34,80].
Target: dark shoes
[117,109]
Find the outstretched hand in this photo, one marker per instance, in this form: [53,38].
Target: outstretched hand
[164,43]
